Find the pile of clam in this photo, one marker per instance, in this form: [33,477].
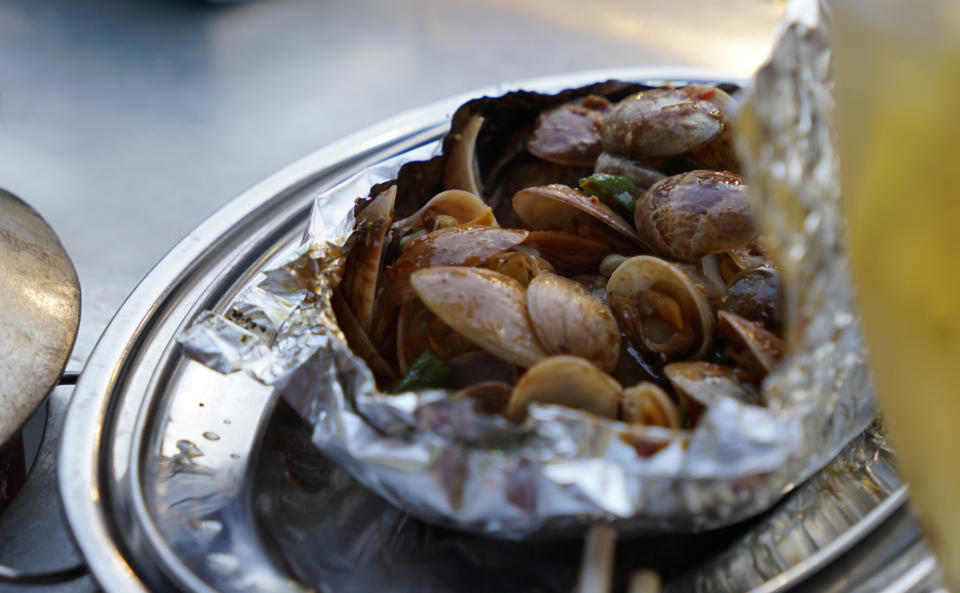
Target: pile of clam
[612,264]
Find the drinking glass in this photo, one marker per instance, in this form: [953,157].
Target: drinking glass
[897,69]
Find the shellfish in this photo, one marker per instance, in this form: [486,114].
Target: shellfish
[659,305]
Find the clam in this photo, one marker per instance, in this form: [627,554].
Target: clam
[719,153]
[485,307]
[363,263]
[461,245]
[702,384]
[569,134]
[462,170]
[569,320]
[755,295]
[759,349]
[560,208]
[660,122]
[648,404]
[566,381]
[659,305]
[519,265]
[694,214]
[461,206]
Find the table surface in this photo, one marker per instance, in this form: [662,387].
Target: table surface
[125,124]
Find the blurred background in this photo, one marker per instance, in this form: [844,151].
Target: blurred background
[126,123]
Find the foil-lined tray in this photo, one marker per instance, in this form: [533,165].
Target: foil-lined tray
[562,470]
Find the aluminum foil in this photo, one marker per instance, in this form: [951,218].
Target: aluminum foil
[563,469]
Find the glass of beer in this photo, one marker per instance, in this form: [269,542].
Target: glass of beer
[897,69]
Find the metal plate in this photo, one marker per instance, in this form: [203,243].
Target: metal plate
[173,475]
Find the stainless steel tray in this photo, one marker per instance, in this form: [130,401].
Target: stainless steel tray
[175,476]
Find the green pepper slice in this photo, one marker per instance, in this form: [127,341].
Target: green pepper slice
[425,372]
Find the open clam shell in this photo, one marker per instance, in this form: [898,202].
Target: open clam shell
[648,404]
[486,307]
[462,169]
[562,208]
[662,307]
[704,384]
[361,279]
[463,206]
[568,381]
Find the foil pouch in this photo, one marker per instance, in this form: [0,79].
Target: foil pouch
[563,470]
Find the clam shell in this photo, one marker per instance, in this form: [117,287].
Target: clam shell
[462,171]
[646,403]
[694,214]
[660,122]
[719,153]
[755,295]
[569,320]
[519,265]
[463,206]
[645,272]
[763,347]
[485,307]
[569,134]
[362,269]
[489,397]
[358,339]
[465,245]
[702,384]
[560,208]
[418,330]
[566,381]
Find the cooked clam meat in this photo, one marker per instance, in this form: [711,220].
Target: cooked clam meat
[659,305]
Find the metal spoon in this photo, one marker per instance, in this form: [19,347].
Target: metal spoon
[39,311]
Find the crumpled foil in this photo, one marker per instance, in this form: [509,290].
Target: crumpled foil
[564,469]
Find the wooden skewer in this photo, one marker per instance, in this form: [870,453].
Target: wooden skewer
[596,564]
[644,580]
